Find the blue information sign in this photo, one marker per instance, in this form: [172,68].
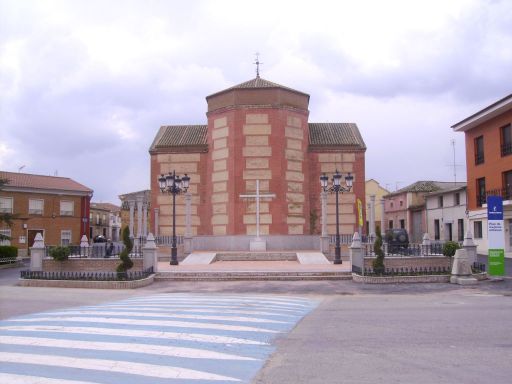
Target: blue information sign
[495,208]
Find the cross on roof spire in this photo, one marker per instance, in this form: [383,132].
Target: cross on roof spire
[257,62]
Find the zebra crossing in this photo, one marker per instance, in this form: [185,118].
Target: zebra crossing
[166,338]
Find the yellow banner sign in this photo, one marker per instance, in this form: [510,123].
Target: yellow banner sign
[360,211]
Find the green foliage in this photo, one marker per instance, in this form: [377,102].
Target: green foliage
[449,248]
[60,253]
[378,262]
[8,251]
[126,262]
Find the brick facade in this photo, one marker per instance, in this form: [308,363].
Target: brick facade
[257,132]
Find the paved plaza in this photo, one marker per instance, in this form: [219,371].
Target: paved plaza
[257,332]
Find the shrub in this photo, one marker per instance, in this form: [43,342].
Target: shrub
[60,253]
[8,252]
[378,262]
[126,262]
[449,248]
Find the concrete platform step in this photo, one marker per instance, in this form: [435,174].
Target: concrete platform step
[256,256]
[252,275]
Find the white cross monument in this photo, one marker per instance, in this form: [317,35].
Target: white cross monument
[258,244]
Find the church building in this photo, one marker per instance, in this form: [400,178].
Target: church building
[257,131]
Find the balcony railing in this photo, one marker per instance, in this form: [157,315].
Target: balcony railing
[505,193]
[506,149]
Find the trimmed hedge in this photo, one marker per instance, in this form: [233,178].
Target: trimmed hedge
[8,251]
[60,253]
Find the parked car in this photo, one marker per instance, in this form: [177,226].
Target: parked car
[397,239]
[99,239]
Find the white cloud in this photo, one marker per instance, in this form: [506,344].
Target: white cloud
[86,84]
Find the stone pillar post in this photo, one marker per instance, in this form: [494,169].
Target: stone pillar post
[187,240]
[37,254]
[324,239]
[461,269]
[470,246]
[425,245]
[139,222]
[132,208]
[144,219]
[382,218]
[356,253]
[149,253]
[157,221]
[372,219]
[84,246]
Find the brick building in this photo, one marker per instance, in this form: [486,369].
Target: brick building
[257,130]
[488,135]
[56,207]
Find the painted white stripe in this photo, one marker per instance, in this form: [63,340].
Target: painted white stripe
[225,296]
[196,337]
[127,367]
[164,323]
[152,308]
[167,314]
[173,305]
[218,300]
[10,378]
[161,350]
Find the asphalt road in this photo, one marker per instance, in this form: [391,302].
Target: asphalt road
[409,333]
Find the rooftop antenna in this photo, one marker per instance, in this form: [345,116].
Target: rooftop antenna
[396,185]
[454,164]
[20,168]
[258,63]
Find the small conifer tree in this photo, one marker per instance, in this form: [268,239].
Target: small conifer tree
[378,262]
[126,262]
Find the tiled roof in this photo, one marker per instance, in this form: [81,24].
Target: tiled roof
[427,186]
[335,134]
[257,83]
[171,136]
[25,181]
[106,207]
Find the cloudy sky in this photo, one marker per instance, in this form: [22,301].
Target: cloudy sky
[84,85]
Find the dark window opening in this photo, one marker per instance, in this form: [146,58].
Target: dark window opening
[437,232]
[477,228]
[480,191]
[506,140]
[479,150]
[460,230]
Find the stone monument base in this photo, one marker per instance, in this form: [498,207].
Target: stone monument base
[463,280]
[257,245]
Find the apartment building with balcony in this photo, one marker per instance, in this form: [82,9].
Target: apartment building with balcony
[56,207]
[488,137]
[105,221]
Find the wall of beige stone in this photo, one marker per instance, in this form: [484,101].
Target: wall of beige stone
[256,156]
[220,177]
[344,163]
[182,163]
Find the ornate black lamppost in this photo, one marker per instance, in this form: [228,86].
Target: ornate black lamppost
[172,184]
[336,188]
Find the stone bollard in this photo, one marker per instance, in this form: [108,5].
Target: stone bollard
[356,254]
[425,245]
[37,254]
[149,254]
[84,246]
[461,270]
[187,245]
[470,247]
